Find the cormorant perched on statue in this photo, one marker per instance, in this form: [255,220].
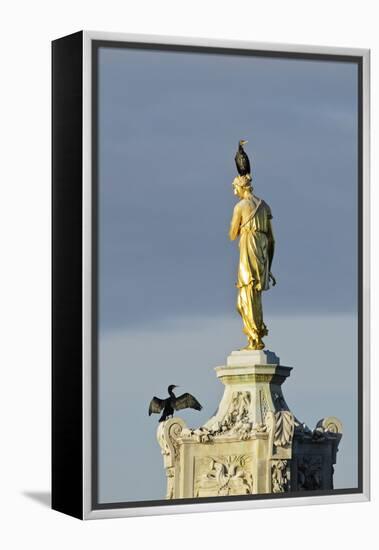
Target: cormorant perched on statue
[173,403]
[242,160]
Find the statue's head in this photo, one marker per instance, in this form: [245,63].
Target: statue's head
[241,184]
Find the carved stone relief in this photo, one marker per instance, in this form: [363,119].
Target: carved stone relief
[236,421]
[330,425]
[309,473]
[263,405]
[170,474]
[223,475]
[281,425]
[167,435]
[279,476]
[284,427]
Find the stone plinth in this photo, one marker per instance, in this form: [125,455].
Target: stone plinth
[253,444]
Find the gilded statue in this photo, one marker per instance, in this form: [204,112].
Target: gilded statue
[251,221]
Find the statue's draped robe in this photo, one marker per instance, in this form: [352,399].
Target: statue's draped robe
[251,220]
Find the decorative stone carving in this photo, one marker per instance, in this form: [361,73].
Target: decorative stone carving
[167,435]
[237,420]
[281,425]
[279,476]
[263,405]
[309,473]
[252,435]
[223,475]
[284,428]
[330,425]
[170,474]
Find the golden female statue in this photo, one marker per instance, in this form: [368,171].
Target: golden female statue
[252,222]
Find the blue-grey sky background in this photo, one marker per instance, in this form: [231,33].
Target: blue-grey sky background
[169,124]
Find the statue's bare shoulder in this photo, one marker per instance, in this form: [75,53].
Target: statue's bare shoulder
[248,206]
[238,211]
[238,207]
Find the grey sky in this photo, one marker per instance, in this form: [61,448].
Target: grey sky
[169,127]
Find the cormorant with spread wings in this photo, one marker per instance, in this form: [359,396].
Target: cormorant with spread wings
[173,403]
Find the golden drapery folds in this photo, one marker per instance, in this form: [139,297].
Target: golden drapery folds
[251,221]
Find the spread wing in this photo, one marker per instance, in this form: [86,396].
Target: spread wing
[187,401]
[156,405]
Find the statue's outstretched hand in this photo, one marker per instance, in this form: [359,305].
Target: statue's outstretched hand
[271,276]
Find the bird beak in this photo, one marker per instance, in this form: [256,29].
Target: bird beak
[244,141]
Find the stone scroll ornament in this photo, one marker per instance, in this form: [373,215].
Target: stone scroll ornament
[167,435]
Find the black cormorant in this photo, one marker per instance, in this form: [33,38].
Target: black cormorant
[173,403]
[242,160]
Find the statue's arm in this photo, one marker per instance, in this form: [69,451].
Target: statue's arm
[235,223]
[271,244]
